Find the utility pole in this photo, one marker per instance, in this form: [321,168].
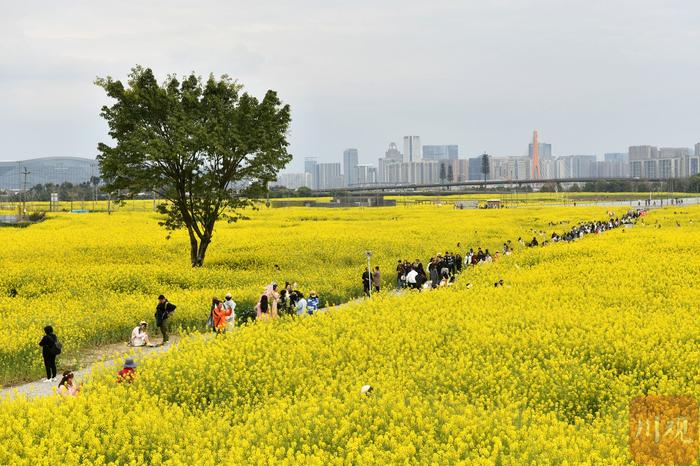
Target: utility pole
[369,271]
[26,173]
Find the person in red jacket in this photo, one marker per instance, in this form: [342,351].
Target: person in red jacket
[128,373]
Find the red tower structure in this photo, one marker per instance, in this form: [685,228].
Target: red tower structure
[535,156]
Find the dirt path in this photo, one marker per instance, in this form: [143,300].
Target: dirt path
[106,355]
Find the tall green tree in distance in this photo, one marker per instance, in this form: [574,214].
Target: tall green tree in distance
[485,165]
[204,146]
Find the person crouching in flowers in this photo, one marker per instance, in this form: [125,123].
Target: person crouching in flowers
[66,387]
[128,373]
[139,336]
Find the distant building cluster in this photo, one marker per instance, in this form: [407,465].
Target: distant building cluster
[18,176]
[435,164]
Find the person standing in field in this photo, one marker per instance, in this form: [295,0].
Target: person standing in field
[163,311]
[365,281]
[301,303]
[50,348]
[230,305]
[312,303]
[376,279]
[262,309]
[434,273]
[400,275]
[219,314]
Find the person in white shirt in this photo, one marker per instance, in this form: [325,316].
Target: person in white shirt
[411,278]
[230,304]
[301,304]
[139,336]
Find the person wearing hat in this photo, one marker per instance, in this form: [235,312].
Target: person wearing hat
[139,336]
[163,311]
[128,373]
[312,303]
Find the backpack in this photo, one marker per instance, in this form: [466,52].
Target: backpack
[57,347]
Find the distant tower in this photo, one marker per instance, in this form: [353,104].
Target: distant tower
[535,156]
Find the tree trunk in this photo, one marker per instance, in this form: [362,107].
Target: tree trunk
[203,245]
[193,247]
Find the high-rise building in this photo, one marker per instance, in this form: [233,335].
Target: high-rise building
[329,176]
[643,161]
[457,168]
[350,161]
[474,168]
[535,157]
[411,149]
[616,157]
[445,152]
[544,151]
[311,167]
[510,168]
[664,162]
[365,174]
[582,166]
[614,165]
[393,154]
[697,149]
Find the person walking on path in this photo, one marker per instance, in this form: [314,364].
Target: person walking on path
[50,348]
[365,281]
[376,279]
[163,311]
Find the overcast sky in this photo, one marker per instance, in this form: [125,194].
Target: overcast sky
[593,76]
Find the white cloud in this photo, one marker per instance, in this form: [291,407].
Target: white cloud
[592,75]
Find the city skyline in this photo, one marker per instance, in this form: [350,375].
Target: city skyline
[607,75]
[443,163]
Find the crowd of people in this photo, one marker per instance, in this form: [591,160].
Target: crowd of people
[594,227]
[441,271]
[288,301]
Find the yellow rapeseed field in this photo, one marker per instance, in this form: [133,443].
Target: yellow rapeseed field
[540,371]
[94,276]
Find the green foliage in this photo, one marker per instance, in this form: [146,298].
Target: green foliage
[204,146]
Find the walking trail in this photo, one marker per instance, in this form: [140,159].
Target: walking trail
[102,356]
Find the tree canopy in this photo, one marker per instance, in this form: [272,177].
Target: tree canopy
[204,146]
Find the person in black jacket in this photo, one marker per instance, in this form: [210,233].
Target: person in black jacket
[163,311]
[365,281]
[49,350]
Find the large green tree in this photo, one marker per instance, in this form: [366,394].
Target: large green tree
[207,148]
